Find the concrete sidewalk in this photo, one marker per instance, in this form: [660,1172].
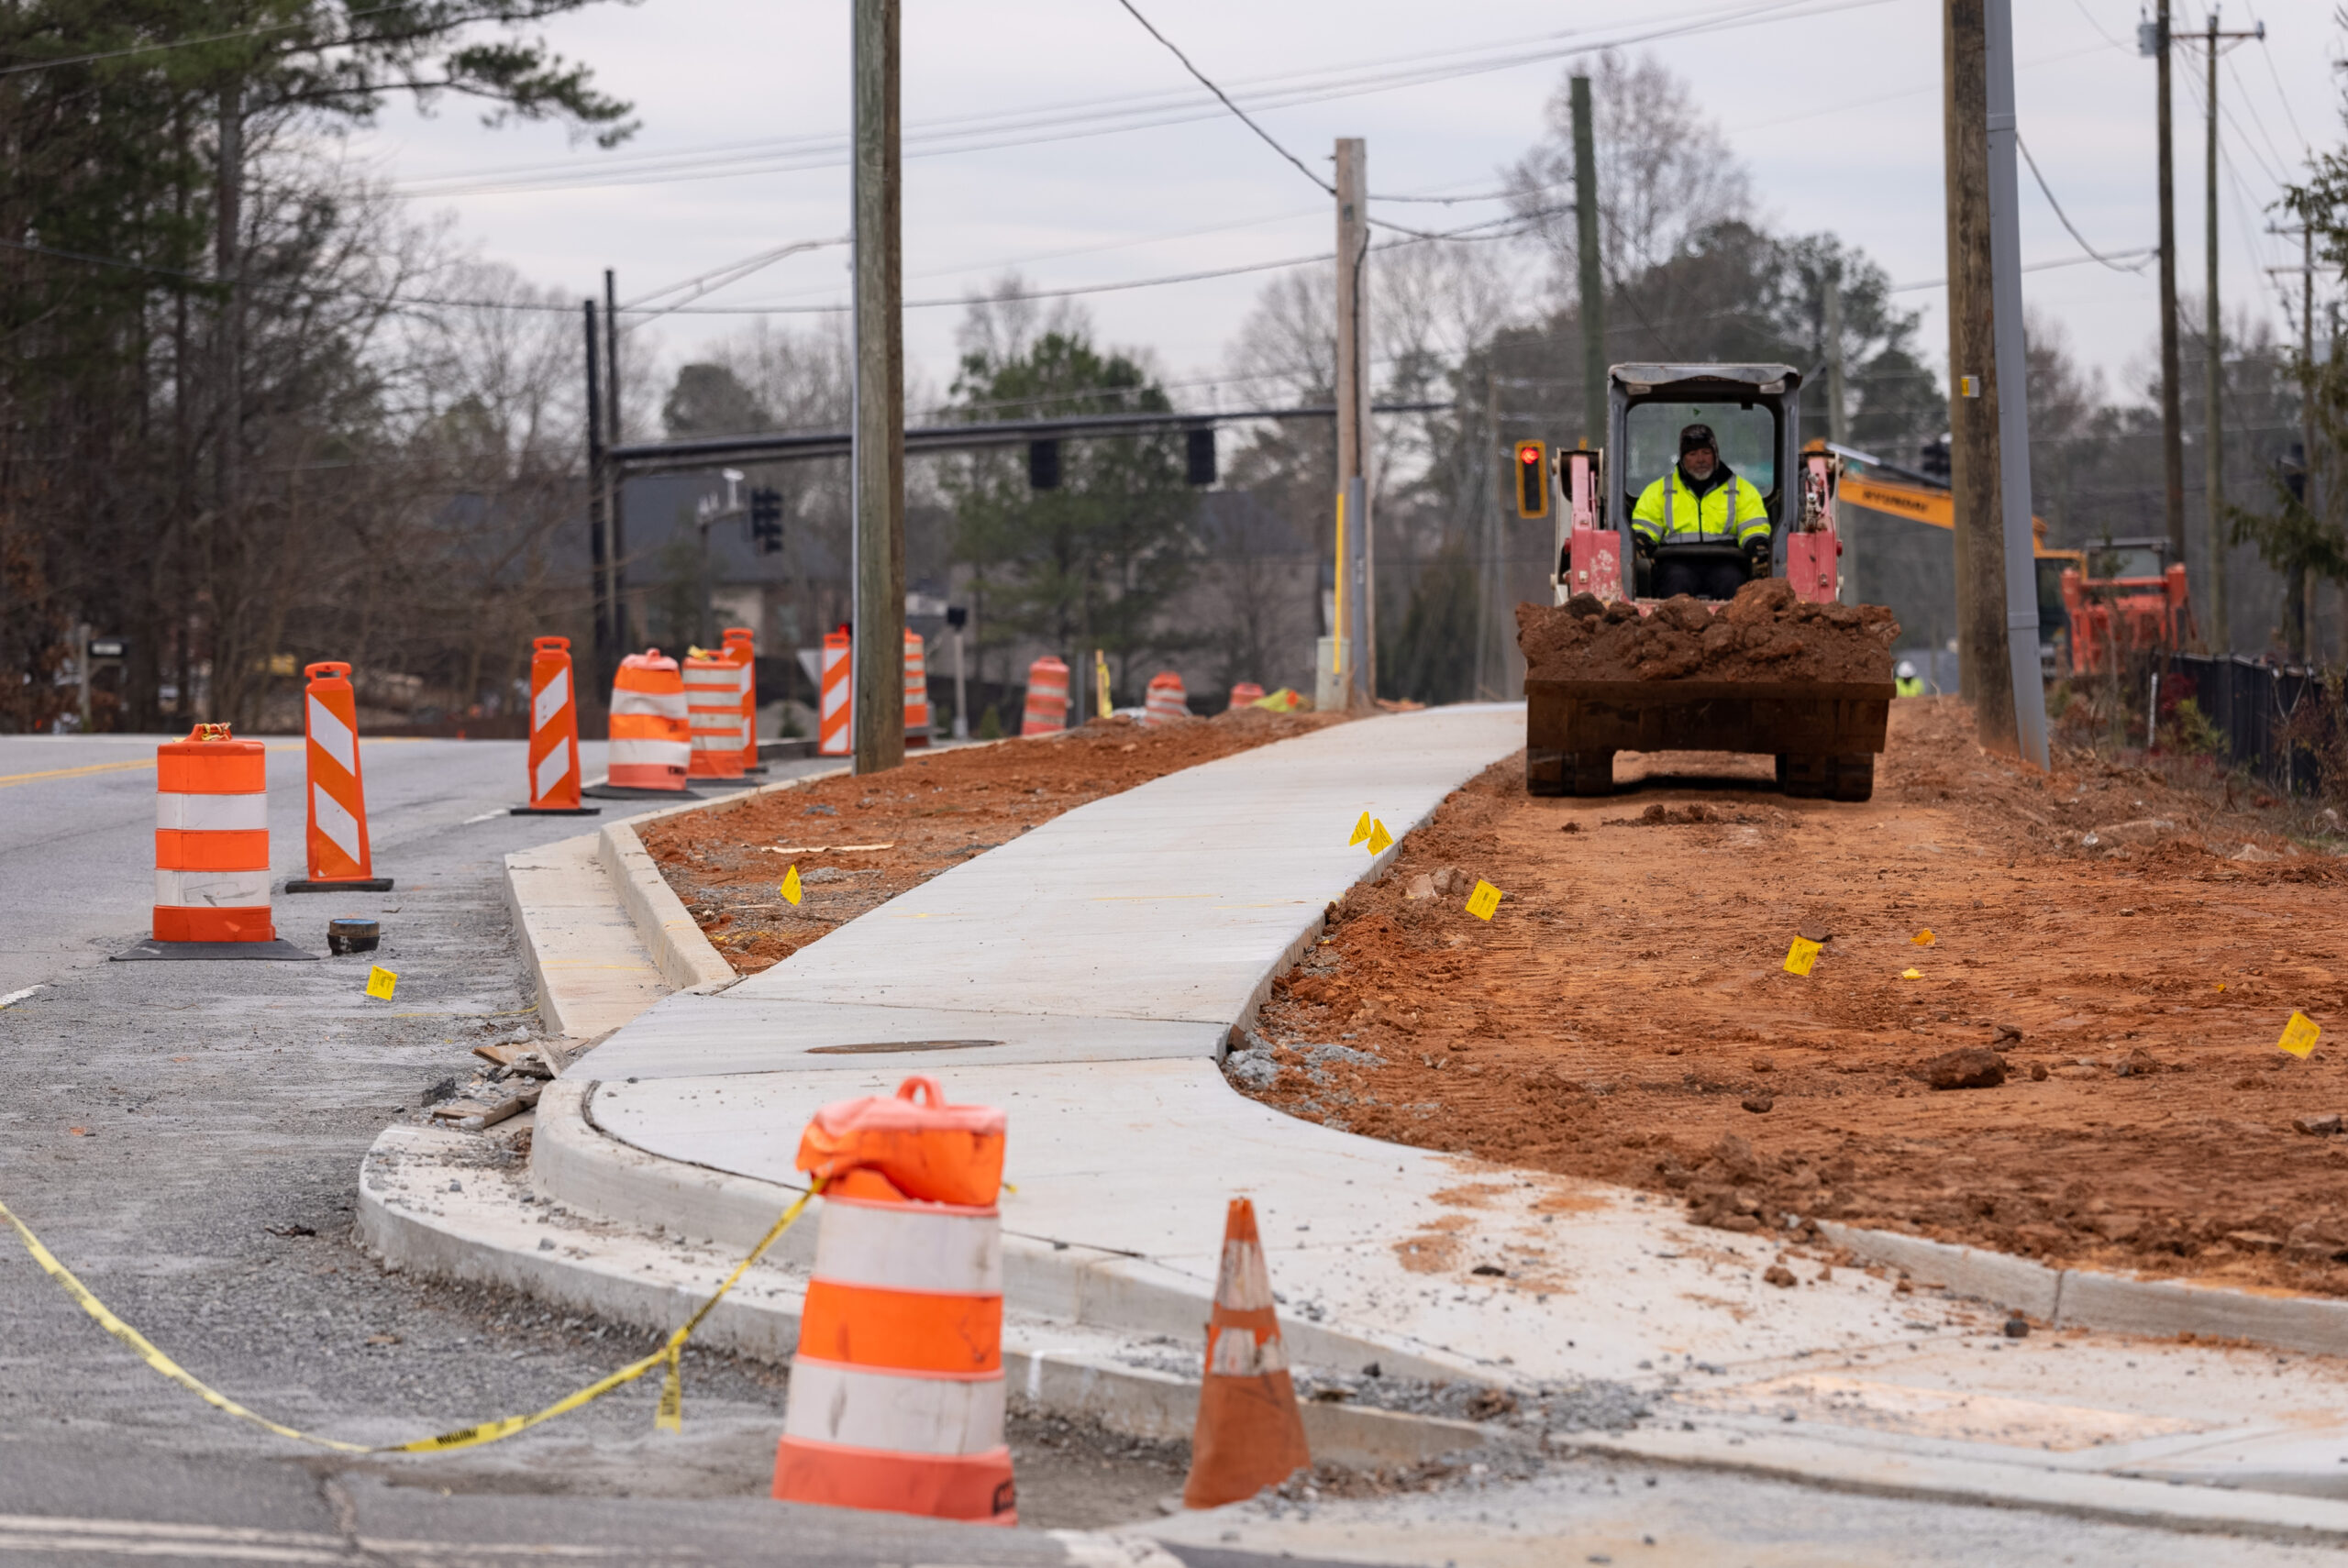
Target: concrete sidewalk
[1085,977]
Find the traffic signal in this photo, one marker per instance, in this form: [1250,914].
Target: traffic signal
[1199,456]
[1043,465]
[1532,479]
[766,521]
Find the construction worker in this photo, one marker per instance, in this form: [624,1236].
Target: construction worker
[1700,501]
[1905,681]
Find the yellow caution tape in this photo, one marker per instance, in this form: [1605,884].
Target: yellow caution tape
[670,1416]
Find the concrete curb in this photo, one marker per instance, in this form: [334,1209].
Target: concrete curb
[2088,1298]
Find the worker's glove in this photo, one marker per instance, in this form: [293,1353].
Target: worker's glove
[1643,547]
[1756,555]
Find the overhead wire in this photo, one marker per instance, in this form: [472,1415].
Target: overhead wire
[162,44]
[2048,191]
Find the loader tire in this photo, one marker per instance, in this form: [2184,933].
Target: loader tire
[1805,776]
[1851,777]
[1546,772]
[1592,772]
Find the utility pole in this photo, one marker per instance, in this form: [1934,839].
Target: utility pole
[1838,417]
[606,660]
[2010,384]
[614,492]
[2307,429]
[2213,367]
[2172,414]
[877,464]
[1357,649]
[1592,269]
[228,267]
[1985,672]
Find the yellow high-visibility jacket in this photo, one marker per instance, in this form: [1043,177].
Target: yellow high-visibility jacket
[1731,513]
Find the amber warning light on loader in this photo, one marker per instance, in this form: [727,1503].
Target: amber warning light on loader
[1533,478]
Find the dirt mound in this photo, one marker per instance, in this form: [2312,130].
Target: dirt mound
[1762,634]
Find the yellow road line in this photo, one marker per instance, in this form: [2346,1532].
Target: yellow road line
[9,779]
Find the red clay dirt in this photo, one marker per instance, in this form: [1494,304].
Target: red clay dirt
[2124,954]
[937,812]
[1762,634]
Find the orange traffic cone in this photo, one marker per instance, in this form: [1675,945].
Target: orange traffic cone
[1245,694]
[553,755]
[1249,1434]
[341,860]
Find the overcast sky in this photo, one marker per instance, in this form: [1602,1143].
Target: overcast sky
[1833,105]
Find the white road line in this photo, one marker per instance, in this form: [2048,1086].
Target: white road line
[485,816]
[13,998]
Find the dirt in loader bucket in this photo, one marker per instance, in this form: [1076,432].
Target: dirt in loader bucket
[2044,1016]
[1765,634]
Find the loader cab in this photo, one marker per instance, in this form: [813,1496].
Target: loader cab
[1755,413]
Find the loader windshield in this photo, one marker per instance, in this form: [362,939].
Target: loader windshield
[1747,438]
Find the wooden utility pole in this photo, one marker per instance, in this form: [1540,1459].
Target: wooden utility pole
[877,464]
[2172,416]
[1358,650]
[606,660]
[1984,669]
[614,492]
[2213,379]
[1592,268]
[2307,580]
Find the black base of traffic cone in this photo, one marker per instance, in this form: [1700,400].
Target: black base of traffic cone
[355,885]
[278,948]
[630,792]
[554,810]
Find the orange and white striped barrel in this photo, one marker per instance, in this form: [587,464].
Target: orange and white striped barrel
[338,850]
[742,646]
[554,727]
[1047,698]
[896,1389]
[1245,694]
[917,690]
[714,703]
[1167,701]
[651,732]
[212,839]
[831,724]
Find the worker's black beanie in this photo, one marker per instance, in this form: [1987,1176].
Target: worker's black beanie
[1696,437]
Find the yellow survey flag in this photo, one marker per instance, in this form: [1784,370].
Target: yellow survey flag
[1801,956]
[1911,973]
[1483,900]
[1361,831]
[791,885]
[1923,938]
[381,982]
[2299,1035]
[1380,841]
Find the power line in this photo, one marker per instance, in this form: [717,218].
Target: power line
[2048,191]
[2107,38]
[1225,98]
[188,43]
[2031,266]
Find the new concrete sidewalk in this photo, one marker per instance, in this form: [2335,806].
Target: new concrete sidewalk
[1086,975]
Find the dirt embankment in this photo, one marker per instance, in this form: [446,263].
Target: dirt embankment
[860,842]
[1762,634]
[2123,955]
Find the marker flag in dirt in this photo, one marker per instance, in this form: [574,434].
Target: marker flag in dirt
[381,982]
[1483,900]
[790,888]
[1801,956]
[1361,832]
[1923,938]
[1380,841]
[1911,973]
[2299,1035]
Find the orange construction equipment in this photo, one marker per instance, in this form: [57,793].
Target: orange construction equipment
[1165,702]
[713,703]
[651,731]
[1046,712]
[1245,694]
[340,859]
[831,717]
[1249,1434]
[917,690]
[742,646]
[212,852]
[896,1387]
[554,734]
[2130,601]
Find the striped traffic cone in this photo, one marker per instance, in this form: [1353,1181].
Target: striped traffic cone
[340,858]
[1166,702]
[1047,712]
[831,724]
[741,646]
[1245,694]
[212,852]
[714,705]
[917,690]
[1249,1434]
[554,734]
[896,1396]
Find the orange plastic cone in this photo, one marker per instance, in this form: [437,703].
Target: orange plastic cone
[1249,1434]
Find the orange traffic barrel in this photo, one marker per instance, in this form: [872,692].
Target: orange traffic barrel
[896,1398]
[714,704]
[917,690]
[1166,702]
[742,646]
[1245,694]
[554,733]
[340,859]
[651,731]
[212,852]
[831,717]
[1046,712]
